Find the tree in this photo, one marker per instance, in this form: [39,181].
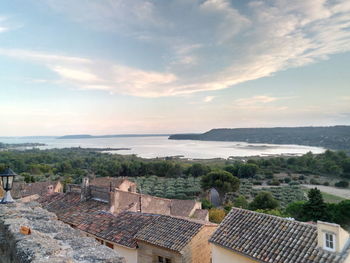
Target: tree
[315,208]
[241,202]
[198,170]
[341,213]
[265,201]
[221,180]
[247,170]
[295,209]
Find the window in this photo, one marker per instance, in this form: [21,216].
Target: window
[329,241]
[163,260]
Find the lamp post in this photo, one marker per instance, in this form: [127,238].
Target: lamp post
[7,177]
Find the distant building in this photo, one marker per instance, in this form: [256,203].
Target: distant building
[121,195]
[246,236]
[139,237]
[22,189]
[120,183]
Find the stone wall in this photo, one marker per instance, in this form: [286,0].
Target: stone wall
[127,201]
[50,240]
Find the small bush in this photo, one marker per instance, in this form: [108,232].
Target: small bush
[287,180]
[273,182]
[206,204]
[216,215]
[326,183]
[301,177]
[342,184]
[314,181]
[294,183]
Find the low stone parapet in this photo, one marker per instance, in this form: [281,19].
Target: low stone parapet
[31,234]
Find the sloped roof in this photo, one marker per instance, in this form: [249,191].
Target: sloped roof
[268,238]
[119,229]
[200,214]
[169,232]
[125,228]
[182,207]
[69,208]
[114,182]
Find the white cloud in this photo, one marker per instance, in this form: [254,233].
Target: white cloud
[209,45]
[3,27]
[208,98]
[255,100]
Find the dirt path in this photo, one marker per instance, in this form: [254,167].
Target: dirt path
[345,193]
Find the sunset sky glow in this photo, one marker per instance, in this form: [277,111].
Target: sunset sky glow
[137,66]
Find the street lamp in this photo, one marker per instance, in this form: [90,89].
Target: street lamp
[7,180]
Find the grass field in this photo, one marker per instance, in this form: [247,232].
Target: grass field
[328,198]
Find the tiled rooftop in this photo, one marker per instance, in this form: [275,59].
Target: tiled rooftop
[272,239]
[125,228]
[169,232]
[119,229]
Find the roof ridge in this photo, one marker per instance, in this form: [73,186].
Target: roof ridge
[273,216]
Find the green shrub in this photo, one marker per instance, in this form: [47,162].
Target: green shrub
[342,184]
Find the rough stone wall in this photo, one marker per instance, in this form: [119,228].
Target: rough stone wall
[50,241]
[199,249]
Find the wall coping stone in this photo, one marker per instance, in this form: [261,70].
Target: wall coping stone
[50,241]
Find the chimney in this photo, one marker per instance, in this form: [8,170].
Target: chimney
[50,189]
[332,237]
[85,191]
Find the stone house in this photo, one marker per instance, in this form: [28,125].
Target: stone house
[120,194]
[120,183]
[22,189]
[137,236]
[246,237]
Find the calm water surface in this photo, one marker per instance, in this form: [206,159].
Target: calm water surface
[160,146]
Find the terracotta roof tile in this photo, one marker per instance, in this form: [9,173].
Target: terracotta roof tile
[271,239]
[169,232]
[125,228]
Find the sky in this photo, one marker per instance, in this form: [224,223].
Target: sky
[175,66]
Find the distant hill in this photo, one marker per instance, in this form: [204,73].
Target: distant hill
[333,137]
[87,136]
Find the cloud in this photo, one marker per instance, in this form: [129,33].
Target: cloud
[209,98]
[203,45]
[255,100]
[3,27]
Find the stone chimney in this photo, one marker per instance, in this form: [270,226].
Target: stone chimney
[85,191]
[50,189]
[332,237]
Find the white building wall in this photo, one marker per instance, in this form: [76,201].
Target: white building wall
[129,254]
[223,255]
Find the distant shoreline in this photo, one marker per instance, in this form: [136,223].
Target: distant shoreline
[88,136]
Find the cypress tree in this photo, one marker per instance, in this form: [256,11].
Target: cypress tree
[315,208]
